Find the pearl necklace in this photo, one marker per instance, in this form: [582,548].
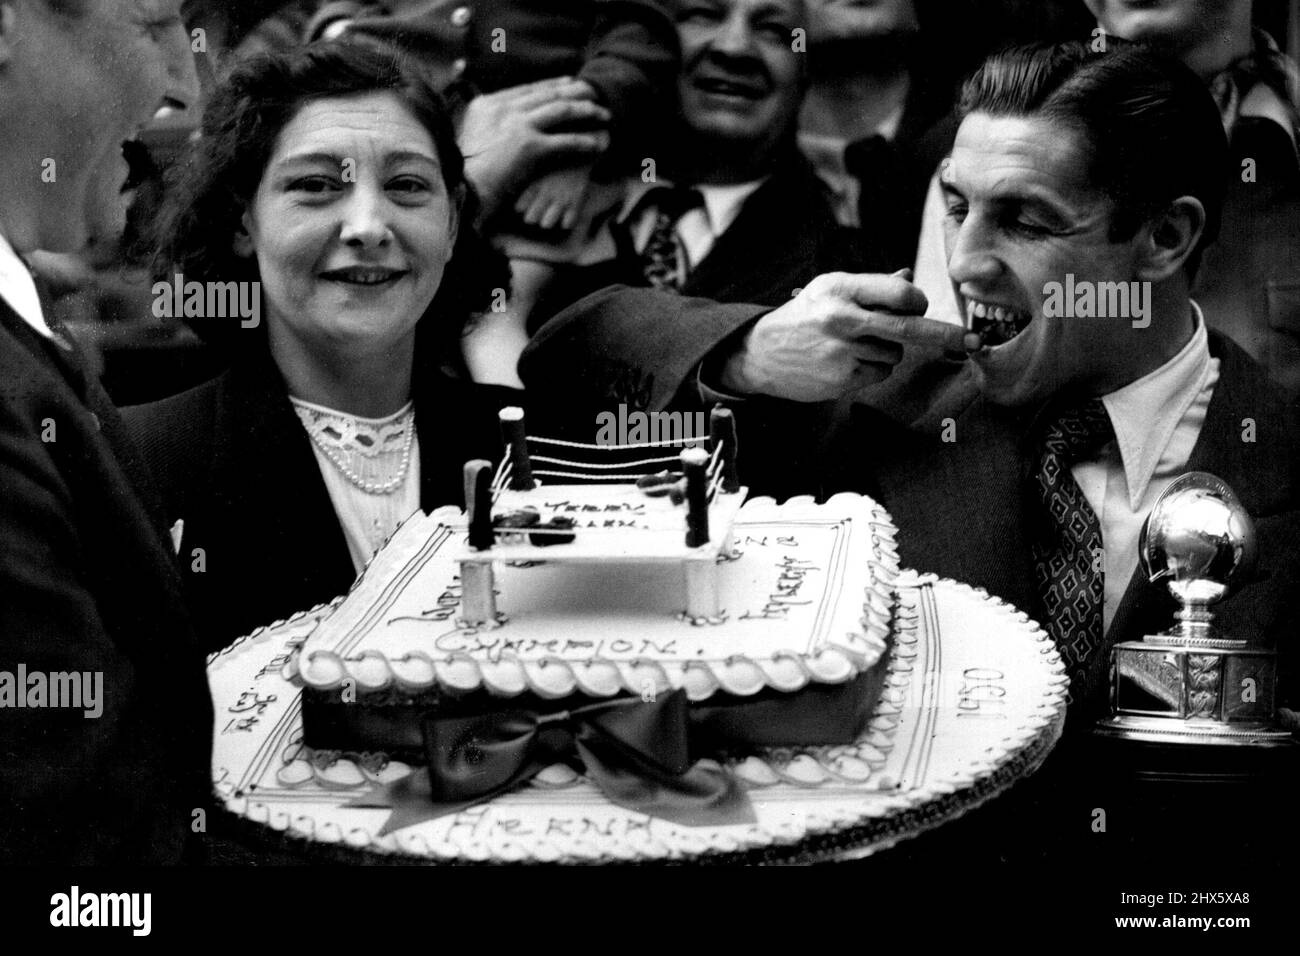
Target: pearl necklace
[369,487]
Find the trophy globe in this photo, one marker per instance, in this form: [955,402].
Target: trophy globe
[1193,683]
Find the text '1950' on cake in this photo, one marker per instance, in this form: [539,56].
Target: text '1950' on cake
[774,619]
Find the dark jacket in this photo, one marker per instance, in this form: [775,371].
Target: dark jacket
[90,584]
[893,175]
[1249,281]
[236,465]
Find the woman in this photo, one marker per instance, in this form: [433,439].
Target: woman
[328,180]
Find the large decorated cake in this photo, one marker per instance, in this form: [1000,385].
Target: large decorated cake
[679,618]
[640,667]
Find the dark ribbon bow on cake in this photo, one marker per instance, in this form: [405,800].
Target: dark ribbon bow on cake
[636,752]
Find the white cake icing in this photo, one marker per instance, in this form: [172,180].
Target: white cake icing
[975,699]
[806,597]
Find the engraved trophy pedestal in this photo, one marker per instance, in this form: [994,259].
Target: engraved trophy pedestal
[1193,684]
[1172,693]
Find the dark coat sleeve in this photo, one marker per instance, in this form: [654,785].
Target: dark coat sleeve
[87,587]
[621,344]
[643,349]
[631,60]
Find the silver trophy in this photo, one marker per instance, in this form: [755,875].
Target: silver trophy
[1193,683]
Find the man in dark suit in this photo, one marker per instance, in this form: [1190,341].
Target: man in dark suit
[1074,175]
[702,222]
[92,595]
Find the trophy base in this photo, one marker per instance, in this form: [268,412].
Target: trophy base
[1165,730]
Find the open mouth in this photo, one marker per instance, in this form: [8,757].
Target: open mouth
[996,324]
[730,86]
[364,275]
[139,164]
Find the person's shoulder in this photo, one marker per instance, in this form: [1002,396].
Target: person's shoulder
[1252,432]
[174,434]
[1245,384]
[32,390]
[796,184]
[179,412]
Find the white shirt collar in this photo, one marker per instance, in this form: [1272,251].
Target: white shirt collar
[1146,412]
[721,203]
[1263,101]
[18,288]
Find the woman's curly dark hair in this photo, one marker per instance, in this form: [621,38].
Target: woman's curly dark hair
[208,193]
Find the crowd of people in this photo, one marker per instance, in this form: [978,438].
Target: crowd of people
[841,218]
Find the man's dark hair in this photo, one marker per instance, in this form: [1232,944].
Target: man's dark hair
[208,193]
[1150,127]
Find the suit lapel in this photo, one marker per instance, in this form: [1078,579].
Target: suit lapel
[266,472]
[767,244]
[64,357]
[61,353]
[456,422]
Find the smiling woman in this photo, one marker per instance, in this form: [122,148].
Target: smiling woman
[330,178]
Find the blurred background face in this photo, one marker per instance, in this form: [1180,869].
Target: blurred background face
[741,81]
[859,19]
[93,81]
[1021,213]
[351,225]
[1174,25]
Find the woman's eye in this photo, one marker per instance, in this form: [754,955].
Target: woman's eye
[313,184]
[957,212]
[409,184]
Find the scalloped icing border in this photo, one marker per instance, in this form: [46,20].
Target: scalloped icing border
[909,813]
[553,677]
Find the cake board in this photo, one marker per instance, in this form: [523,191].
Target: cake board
[974,700]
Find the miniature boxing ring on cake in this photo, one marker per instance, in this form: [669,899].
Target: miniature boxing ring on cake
[612,513]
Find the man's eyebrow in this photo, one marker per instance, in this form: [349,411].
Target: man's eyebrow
[1017,198]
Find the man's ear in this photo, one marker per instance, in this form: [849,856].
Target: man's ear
[1171,237]
[242,242]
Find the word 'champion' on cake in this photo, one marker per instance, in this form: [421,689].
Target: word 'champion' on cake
[78,690]
[75,908]
[179,299]
[634,428]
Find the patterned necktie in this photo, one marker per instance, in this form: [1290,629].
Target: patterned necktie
[1068,553]
[663,259]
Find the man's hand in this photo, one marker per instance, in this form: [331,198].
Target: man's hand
[509,135]
[841,333]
